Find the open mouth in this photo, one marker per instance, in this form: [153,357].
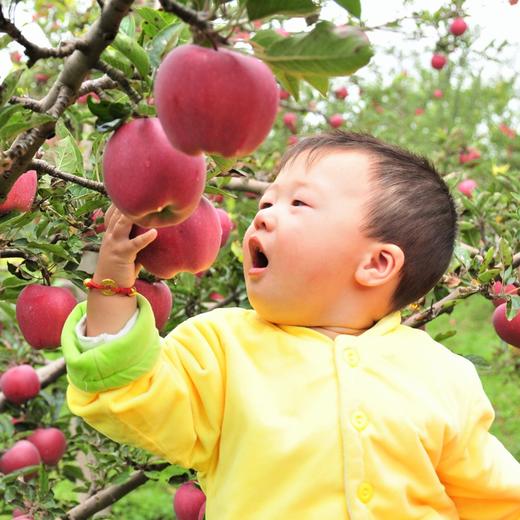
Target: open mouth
[258,257]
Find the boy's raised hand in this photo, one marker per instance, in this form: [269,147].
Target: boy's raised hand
[118,251]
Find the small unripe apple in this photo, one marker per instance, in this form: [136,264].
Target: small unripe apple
[215,101]
[15,57]
[498,288]
[82,100]
[289,120]
[22,193]
[51,443]
[458,27]
[467,187]
[507,131]
[188,501]
[282,32]
[160,298]
[336,120]
[341,93]
[190,246]
[21,455]
[437,93]
[20,383]
[21,514]
[41,312]
[438,61]
[147,179]
[292,139]
[283,94]
[419,111]
[97,218]
[509,331]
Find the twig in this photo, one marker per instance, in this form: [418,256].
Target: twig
[192,18]
[33,51]
[44,167]
[27,102]
[120,78]
[97,85]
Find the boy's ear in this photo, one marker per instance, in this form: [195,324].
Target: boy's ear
[380,265]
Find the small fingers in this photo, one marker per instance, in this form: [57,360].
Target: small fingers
[141,241]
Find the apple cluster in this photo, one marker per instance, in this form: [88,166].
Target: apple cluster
[155,169]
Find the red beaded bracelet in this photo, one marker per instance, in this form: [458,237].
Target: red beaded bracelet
[108,287]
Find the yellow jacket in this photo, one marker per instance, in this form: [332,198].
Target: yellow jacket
[281,422]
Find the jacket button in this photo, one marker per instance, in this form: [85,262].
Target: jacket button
[352,357]
[359,420]
[365,492]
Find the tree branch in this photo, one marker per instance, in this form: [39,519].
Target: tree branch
[44,167]
[64,91]
[96,85]
[192,18]
[118,77]
[30,103]
[106,497]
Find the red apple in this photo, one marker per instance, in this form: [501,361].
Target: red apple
[341,93]
[219,102]
[216,297]
[437,93]
[160,298]
[98,221]
[147,179]
[289,120]
[498,288]
[292,139]
[21,514]
[21,455]
[508,132]
[471,154]
[20,383]
[438,61]
[513,2]
[419,111]
[41,312]
[458,27]
[51,444]
[190,246]
[336,120]
[509,331]
[41,78]
[202,512]
[467,187]
[226,224]
[283,94]
[22,193]
[15,57]
[188,501]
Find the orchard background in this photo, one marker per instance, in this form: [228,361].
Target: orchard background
[60,103]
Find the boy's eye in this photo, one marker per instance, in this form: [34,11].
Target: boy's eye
[264,205]
[297,202]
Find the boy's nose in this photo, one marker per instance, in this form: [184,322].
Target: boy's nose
[263,220]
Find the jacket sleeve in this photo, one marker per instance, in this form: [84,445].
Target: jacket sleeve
[162,395]
[479,474]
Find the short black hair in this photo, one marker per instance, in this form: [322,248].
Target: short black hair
[410,207]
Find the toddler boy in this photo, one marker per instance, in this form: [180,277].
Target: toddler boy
[317,404]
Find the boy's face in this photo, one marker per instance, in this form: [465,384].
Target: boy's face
[304,244]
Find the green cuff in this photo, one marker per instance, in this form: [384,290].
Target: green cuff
[114,363]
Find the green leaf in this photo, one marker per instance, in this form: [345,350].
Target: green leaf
[5,40]
[164,41]
[117,60]
[326,51]
[9,85]
[167,473]
[288,82]
[505,252]
[152,17]
[7,112]
[262,8]
[352,6]
[320,83]
[134,52]
[68,153]
[128,25]
[487,259]
[444,335]
[224,164]
[487,276]
[23,120]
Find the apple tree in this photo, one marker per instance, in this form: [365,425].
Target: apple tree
[92,118]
